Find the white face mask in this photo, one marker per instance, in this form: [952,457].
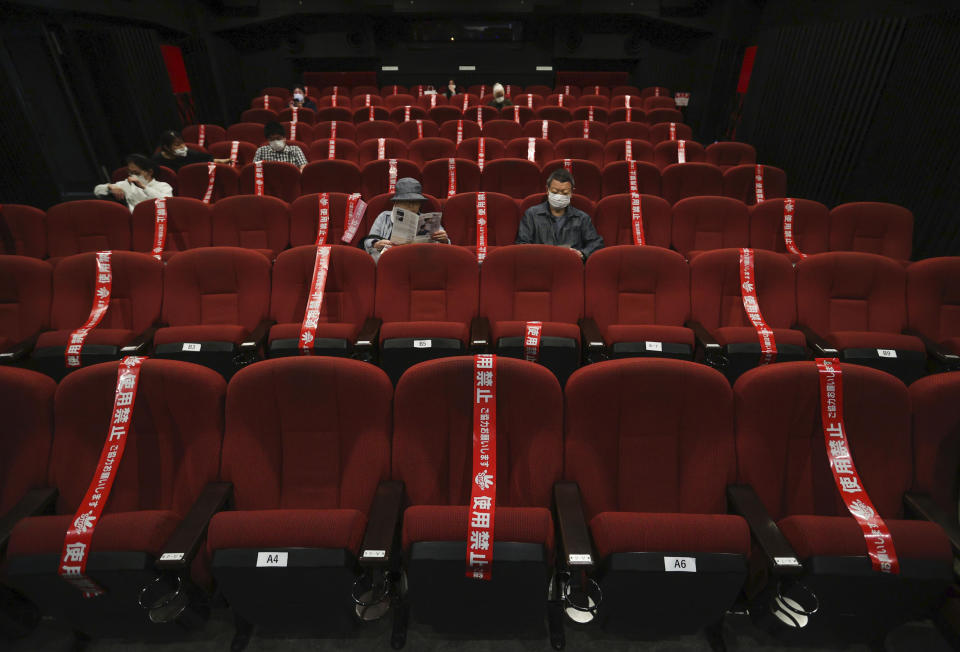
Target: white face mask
[143,179]
[558,200]
[181,151]
[278,144]
[298,97]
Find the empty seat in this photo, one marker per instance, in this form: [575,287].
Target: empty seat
[170,459]
[549,129]
[427,149]
[375,176]
[26,288]
[272,102]
[410,131]
[781,455]
[74,227]
[602,91]
[187,225]
[470,149]
[622,100]
[855,303]
[241,155]
[437,514]
[519,114]
[704,223]
[304,115]
[248,132]
[564,100]
[936,426]
[340,103]
[373,129]
[656,91]
[442,114]
[626,114]
[251,222]
[194,181]
[460,129]
[933,297]
[298,132]
[655,116]
[682,180]
[587,175]
[407,113]
[371,113]
[630,176]
[567,89]
[280,179]
[330,176]
[593,99]
[871,227]
[460,219]
[528,100]
[538,150]
[503,129]
[342,149]
[515,177]
[589,114]
[539,89]
[449,176]
[305,219]
[625,90]
[580,148]
[347,300]
[463,101]
[335,113]
[644,520]
[211,134]
[740,182]
[730,154]
[623,149]
[481,114]
[668,152]
[635,130]
[639,298]
[379,149]
[586,129]
[658,102]
[27,402]
[394,89]
[427,299]
[613,220]
[23,231]
[364,89]
[335,128]
[559,114]
[809,226]
[395,100]
[259,116]
[663,131]
[534,283]
[361,100]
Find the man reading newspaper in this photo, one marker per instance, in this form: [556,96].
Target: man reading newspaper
[404,224]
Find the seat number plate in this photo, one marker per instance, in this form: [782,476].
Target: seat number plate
[654,346]
[275,559]
[680,564]
[422,344]
[191,346]
[886,353]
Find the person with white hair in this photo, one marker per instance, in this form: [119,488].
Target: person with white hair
[500,98]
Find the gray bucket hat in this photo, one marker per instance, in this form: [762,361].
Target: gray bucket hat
[408,189]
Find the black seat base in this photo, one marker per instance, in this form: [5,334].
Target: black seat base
[741,357]
[51,360]
[398,354]
[561,355]
[645,350]
[222,357]
[908,366]
[321,346]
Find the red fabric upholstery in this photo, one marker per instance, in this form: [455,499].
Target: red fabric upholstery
[212,134]
[375,175]
[866,340]
[936,437]
[616,178]
[515,177]
[527,282]
[580,148]
[635,130]
[841,536]
[933,298]
[251,222]
[222,149]
[373,129]
[26,289]
[188,224]
[392,148]
[617,333]
[340,113]
[397,113]
[449,523]
[409,132]
[619,114]
[299,132]
[248,132]
[460,219]
[469,129]
[747,334]
[583,113]
[739,183]
[280,180]
[344,149]
[140,531]
[330,176]
[345,129]
[502,129]
[107,336]
[363,114]
[729,154]
[631,285]
[74,227]
[193,179]
[424,329]
[431,148]
[666,152]
[287,528]
[442,113]
[658,102]
[516,328]
[304,115]
[555,130]
[481,114]
[660,132]
[615,150]
[435,176]
[524,113]
[811,226]
[26,399]
[274,103]
[305,216]
[470,147]
[655,90]
[259,115]
[656,116]
[542,149]
[689,533]
[560,114]
[201,333]
[398,100]
[569,101]
[872,227]
[589,98]
[27,225]
[614,220]
[472,99]
[216,286]
[704,223]
[588,179]
[521,100]
[624,90]
[595,130]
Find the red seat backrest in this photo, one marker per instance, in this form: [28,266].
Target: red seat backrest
[26,289]
[188,224]
[872,227]
[251,222]
[526,282]
[613,220]
[681,180]
[704,223]
[280,179]
[427,282]
[460,219]
[87,225]
[811,226]
[933,297]
[193,180]
[330,176]
[27,229]
[26,398]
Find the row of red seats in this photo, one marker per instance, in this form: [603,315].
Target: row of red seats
[455,130]
[267,223]
[510,90]
[323,464]
[215,303]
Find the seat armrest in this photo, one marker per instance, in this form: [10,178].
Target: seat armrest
[141,344]
[252,344]
[781,557]
[365,348]
[821,348]
[479,335]
[179,550]
[382,525]
[20,350]
[33,503]
[922,506]
[574,534]
[944,358]
[712,350]
[593,346]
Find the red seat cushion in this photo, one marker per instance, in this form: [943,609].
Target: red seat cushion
[645,532]
[288,528]
[331,331]
[951,344]
[648,333]
[550,329]
[201,333]
[110,336]
[840,535]
[449,523]
[739,334]
[424,329]
[145,531]
[870,340]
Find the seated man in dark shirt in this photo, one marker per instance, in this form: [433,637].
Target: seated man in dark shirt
[556,222]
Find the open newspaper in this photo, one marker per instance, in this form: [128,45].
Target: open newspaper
[414,227]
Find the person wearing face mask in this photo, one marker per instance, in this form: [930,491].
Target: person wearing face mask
[138,186]
[556,222]
[500,99]
[300,100]
[408,196]
[174,153]
[277,148]
[451,89]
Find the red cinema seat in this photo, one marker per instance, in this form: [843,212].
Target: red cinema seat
[27,401]
[164,488]
[682,180]
[224,149]
[580,148]
[340,102]
[481,89]
[347,299]
[534,283]
[459,130]
[600,101]
[586,129]
[635,130]
[481,114]
[658,102]
[656,116]
[304,115]
[460,220]
[425,293]
[548,129]
[664,131]
[515,177]
[616,150]
[528,100]
[343,129]
[427,149]
[871,227]
[305,218]
[335,113]
[436,177]
[587,176]
[211,134]
[187,225]
[729,154]
[371,114]
[437,509]
[519,114]
[539,89]
[538,150]
[343,150]
[74,227]
[394,89]
[442,114]
[26,289]
[933,297]
[464,101]
[559,114]
[407,113]
[272,102]
[705,223]
[936,427]
[410,131]
[624,100]
[298,132]
[739,182]
[375,175]
[280,180]
[247,132]
[259,116]
[613,220]
[470,149]
[668,152]
[625,90]
[380,149]
[365,89]
[617,489]
[854,304]
[785,476]
[810,226]
[626,114]
[590,114]
[330,176]
[655,91]
[278,91]
[23,231]
[502,129]
[601,91]
[193,181]
[567,89]
[398,100]
[252,222]
[630,176]
[373,129]
[564,100]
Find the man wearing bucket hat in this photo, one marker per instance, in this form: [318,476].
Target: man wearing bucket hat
[408,196]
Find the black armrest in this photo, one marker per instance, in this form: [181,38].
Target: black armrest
[141,344]
[479,335]
[821,349]
[20,350]
[712,350]
[33,503]
[179,550]
[382,525]
[252,344]
[944,358]
[781,557]
[593,345]
[574,534]
[922,506]
[365,348]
